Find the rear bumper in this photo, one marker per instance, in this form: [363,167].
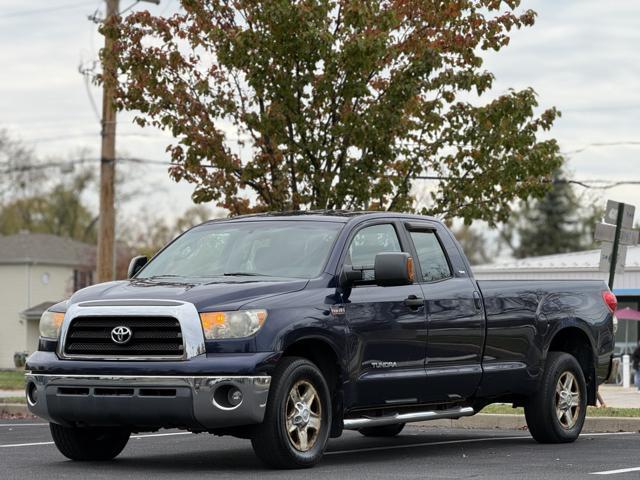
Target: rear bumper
[147,402]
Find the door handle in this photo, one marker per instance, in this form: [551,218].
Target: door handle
[477,300]
[414,302]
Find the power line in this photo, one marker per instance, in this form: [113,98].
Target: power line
[129,7]
[594,184]
[622,143]
[590,184]
[87,73]
[79,161]
[603,144]
[166,8]
[22,13]
[61,138]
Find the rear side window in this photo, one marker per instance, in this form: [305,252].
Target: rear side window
[369,242]
[433,261]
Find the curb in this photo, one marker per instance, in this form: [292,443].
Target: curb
[485,421]
[518,422]
[14,409]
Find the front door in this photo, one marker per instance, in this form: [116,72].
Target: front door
[388,335]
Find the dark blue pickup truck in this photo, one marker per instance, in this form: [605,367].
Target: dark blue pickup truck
[287,329]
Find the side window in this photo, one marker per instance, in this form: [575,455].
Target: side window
[367,243]
[433,261]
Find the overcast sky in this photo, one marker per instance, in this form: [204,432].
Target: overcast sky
[581,56]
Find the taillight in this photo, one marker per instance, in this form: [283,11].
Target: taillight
[610,299]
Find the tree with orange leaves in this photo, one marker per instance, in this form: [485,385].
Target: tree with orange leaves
[336,103]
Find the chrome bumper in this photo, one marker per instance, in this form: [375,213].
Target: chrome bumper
[196,403]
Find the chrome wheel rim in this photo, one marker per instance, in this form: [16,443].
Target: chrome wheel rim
[567,400]
[303,416]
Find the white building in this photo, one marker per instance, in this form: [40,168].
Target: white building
[582,266]
[36,271]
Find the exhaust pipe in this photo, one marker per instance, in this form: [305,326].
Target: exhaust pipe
[362,422]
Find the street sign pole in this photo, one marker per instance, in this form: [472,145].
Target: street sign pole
[616,244]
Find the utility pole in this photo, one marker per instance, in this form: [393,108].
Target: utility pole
[616,245]
[106,231]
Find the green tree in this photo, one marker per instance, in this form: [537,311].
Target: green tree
[337,103]
[559,222]
[59,210]
[474,244]
[149,234]
[17,177]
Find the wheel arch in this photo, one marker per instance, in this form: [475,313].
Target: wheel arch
[575,340]
[321,352]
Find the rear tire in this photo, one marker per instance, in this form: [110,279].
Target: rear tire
[556,413]
[89,444]
[383,431]
[297,421]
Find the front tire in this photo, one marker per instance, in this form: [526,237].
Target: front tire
[383,431]
[556,413]
[297,421]
[89,444]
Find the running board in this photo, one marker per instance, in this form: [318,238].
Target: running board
[362,422]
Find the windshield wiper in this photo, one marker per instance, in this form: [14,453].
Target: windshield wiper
[161,276]
[244,274]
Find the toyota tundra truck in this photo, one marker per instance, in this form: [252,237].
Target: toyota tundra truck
[286,329]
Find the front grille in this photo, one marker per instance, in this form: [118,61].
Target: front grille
[150,337]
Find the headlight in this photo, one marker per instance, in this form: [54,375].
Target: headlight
[50,323]
[242,323]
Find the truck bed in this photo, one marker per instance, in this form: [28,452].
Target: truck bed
[521,315]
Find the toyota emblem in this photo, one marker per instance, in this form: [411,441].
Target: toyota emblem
[121,335]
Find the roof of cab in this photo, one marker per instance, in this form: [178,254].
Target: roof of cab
[342,216]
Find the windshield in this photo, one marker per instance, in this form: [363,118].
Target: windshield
[296,249]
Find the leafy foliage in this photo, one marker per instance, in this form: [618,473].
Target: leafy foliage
[340,103]
[474,244]
[149,233]
[15,179]
[59,210]
[560,222]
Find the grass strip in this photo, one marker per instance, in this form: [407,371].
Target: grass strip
[11,379]
[505,409]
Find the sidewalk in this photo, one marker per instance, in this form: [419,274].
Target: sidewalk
[618,397]
[613,395]
[11,393]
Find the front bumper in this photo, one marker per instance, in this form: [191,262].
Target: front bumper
[147,402]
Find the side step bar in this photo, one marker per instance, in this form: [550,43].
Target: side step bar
[362,422]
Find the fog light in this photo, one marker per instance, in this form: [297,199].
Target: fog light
[234,397]
[32,393]
[227,397]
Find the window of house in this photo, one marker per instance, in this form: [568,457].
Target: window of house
[82,279]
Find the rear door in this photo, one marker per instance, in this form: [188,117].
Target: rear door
[455,315]
[388,333]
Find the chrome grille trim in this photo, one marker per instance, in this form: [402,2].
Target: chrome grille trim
[185,313]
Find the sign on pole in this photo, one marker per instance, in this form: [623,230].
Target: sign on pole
[607,233]
[611,214]
[606,256]
[616,233]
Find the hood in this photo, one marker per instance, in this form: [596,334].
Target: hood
[210,294]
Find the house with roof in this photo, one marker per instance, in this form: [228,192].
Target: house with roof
[580,266]
[36,271]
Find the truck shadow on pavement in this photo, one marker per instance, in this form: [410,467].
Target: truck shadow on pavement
[194,457]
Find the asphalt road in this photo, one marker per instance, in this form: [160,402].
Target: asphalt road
[26,451]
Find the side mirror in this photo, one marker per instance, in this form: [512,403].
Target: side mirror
[136,264]
[393,269]
[349,276]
